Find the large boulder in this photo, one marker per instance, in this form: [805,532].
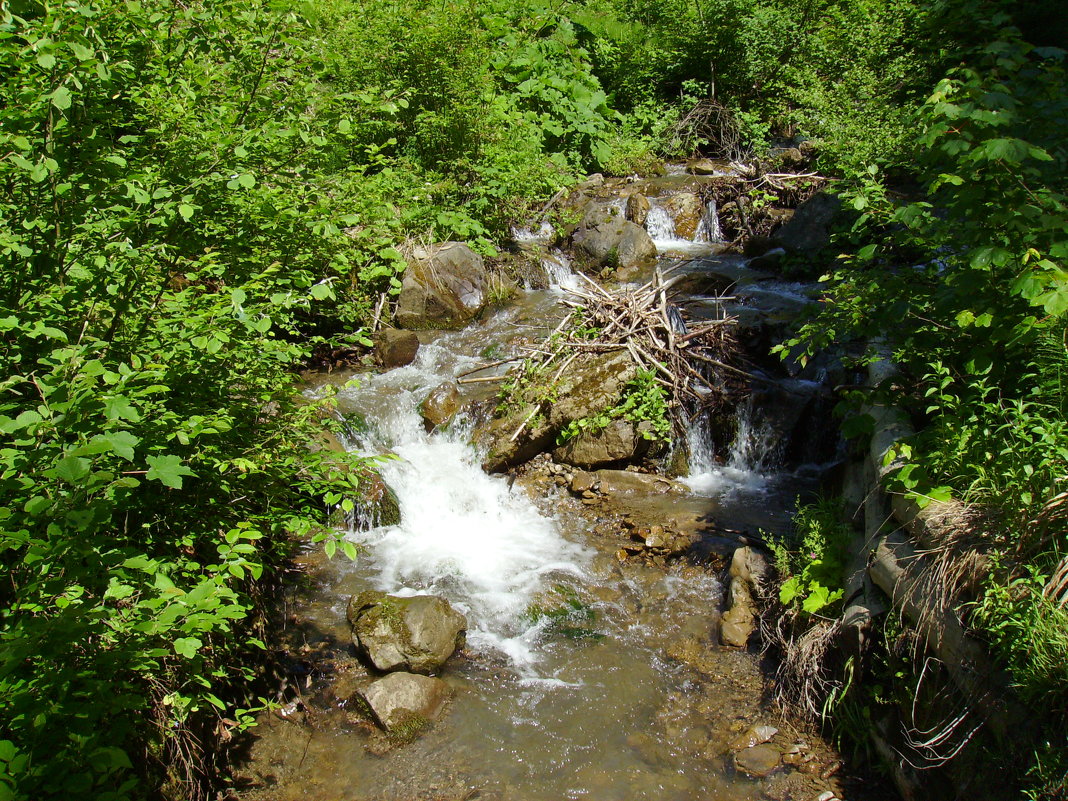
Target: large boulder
[404,703]
[617,243]
[619,441]
[810,227]
[590,386]
[444,287]
[416,634]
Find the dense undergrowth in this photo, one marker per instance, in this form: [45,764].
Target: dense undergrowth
[963,281]
[196,195]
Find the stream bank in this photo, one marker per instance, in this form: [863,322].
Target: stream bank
[593,665]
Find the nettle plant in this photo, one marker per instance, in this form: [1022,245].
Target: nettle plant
[812,562]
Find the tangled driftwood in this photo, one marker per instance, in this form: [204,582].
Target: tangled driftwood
[693,362]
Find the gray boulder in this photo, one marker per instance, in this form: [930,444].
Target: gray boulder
[444,287]
[617,243]
[404,703]
[618,442]
[810,227]
[416,634]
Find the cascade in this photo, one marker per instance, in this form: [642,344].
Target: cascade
[659,225]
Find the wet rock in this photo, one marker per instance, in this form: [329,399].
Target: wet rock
[440,406]
[626,481]
[405,703]
[810,227]
[444,287]
[756,246]
[582,482]
[395,348]
[739,621]
[769,260]
[687,210]
[617,442]
[749,565]
[590,386]
[704,167]
[754,735]
[377,504]
[637,209]
[415,634]
[617,243]
[758,761]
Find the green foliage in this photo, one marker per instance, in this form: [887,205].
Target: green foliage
[643,401]
[1031,633]
[812,564]
[162,247]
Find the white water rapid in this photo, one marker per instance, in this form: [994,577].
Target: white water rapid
[660,226]
[463,534]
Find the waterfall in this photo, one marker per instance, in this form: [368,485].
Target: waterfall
[709,230]
[529,236]
[660,226]
[557,268]
[749,461]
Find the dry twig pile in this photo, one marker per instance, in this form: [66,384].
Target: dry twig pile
[692,362]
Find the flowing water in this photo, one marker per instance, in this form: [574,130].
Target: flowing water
[633,699]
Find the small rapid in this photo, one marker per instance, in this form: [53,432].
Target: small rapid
[464,534]
[749,466]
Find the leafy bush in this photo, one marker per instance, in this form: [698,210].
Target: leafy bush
[811,565]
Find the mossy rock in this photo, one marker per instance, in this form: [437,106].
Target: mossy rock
[416,634]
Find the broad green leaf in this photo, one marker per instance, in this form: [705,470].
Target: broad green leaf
[61,98]
[122,442]
[185,210]
[46,60]
[187,646]
[117,407]
[72,469]
[81,52]
[168,470]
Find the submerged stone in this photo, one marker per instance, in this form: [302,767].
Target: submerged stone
[758,761]
[405,703]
